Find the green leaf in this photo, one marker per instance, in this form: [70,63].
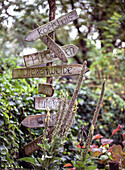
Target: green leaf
[28,159]
[40,160]
[6,115]
[92,167]
[81,164]
[103,157]
[41,145]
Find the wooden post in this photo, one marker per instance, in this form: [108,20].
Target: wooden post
[52,11]
[28,151]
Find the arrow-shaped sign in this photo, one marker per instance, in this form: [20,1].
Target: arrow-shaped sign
[51,26]
[47,71]
[46,56]
[32,146]
[36,121]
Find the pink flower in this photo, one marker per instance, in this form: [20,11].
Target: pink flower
[106,141]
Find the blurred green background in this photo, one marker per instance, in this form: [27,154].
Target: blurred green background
[99,34]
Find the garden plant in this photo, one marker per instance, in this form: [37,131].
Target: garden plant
[88,133]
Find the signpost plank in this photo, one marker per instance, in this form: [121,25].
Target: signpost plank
[42,103]
[46,56]
[51,26]
[50,71]
[32,146]
[46,89]
[37,121]
[54,48]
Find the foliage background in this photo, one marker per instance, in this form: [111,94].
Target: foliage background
[99,34]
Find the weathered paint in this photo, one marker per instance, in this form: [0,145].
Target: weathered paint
[46,56]
[37,121]
[47,71]
[42,103]
[51,26]
[56,49]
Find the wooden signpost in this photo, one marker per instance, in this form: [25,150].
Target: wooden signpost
[37,121]
[42,103]
[46,56]
[34,70]
[46,89]
[47,71]
[33,145]
[51,26]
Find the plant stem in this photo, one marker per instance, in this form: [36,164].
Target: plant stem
[91,130]
[74,97]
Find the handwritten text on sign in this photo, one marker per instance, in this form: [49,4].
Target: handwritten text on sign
[50,71]
[42,103]
[54,48]
[36,121]
[51,26]
[46,56]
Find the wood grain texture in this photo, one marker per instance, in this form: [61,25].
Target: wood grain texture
[37,121]
[42,103]
[46,56]
[32,146]
[46,89]
[56,49]
[50,71]
[51,26]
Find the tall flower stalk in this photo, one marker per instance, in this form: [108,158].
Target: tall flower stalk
[70,120]
[59,118]
[64,118]
[62,113]
[91,130]
[74,97]
[47,121]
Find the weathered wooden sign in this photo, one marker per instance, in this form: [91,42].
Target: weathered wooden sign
[42,103]
[50,71]
[32,146]
[46,56]
[54,48]
[51,26]
[36,121]
[46,89]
